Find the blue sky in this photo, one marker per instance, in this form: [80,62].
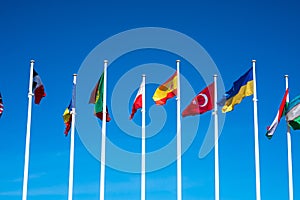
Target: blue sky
[60,36]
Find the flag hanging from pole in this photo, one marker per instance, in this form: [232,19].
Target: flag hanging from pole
[138,101]
[293,113]
[67,116]
[1,105]
[202,103]
[241,88]
[97,99]
[271,129]
[166,91]
[37,88]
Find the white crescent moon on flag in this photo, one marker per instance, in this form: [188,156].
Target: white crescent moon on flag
[205,100]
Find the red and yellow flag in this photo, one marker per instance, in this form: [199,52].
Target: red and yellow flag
[68,118]
[166,90]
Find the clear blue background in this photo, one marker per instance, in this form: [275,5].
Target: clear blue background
[59,35]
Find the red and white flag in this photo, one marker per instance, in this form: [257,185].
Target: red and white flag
[203,102]
[37,88]
[271,129]
[137,101]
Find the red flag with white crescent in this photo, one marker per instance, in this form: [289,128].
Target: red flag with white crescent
[203,102]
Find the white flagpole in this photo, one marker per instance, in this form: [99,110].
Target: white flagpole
[26,164]
[179,184]
[103,139]
[71,170]
[257,170]
[143,164]
[215,113]
[289,146]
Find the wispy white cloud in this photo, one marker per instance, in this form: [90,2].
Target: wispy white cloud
[11,193]
[61,154]
[57,190]
[161,184]
[31,176]
[126,186]
[53,190]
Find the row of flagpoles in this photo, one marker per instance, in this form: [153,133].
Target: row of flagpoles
[244,86]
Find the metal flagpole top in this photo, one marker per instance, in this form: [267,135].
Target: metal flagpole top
[143,75]
[177,60]
[32,61]
[105,61]
[215,75]
[286,76]
[254,61]
[74,78]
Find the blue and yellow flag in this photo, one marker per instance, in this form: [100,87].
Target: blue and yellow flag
[241,88]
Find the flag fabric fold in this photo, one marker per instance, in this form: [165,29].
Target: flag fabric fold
[37,88]
[138,101]
[271,129]
[203,102]
[97,99]
[293,113]
[67,116]
[241,88]
[1,105]
[166,91]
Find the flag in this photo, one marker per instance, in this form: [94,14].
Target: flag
[203,102]
[1,105]
[293,113]
[37,88]
[271,129]
[241,88]
[166,90]
[97,99]
[67,116]
[137,101]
